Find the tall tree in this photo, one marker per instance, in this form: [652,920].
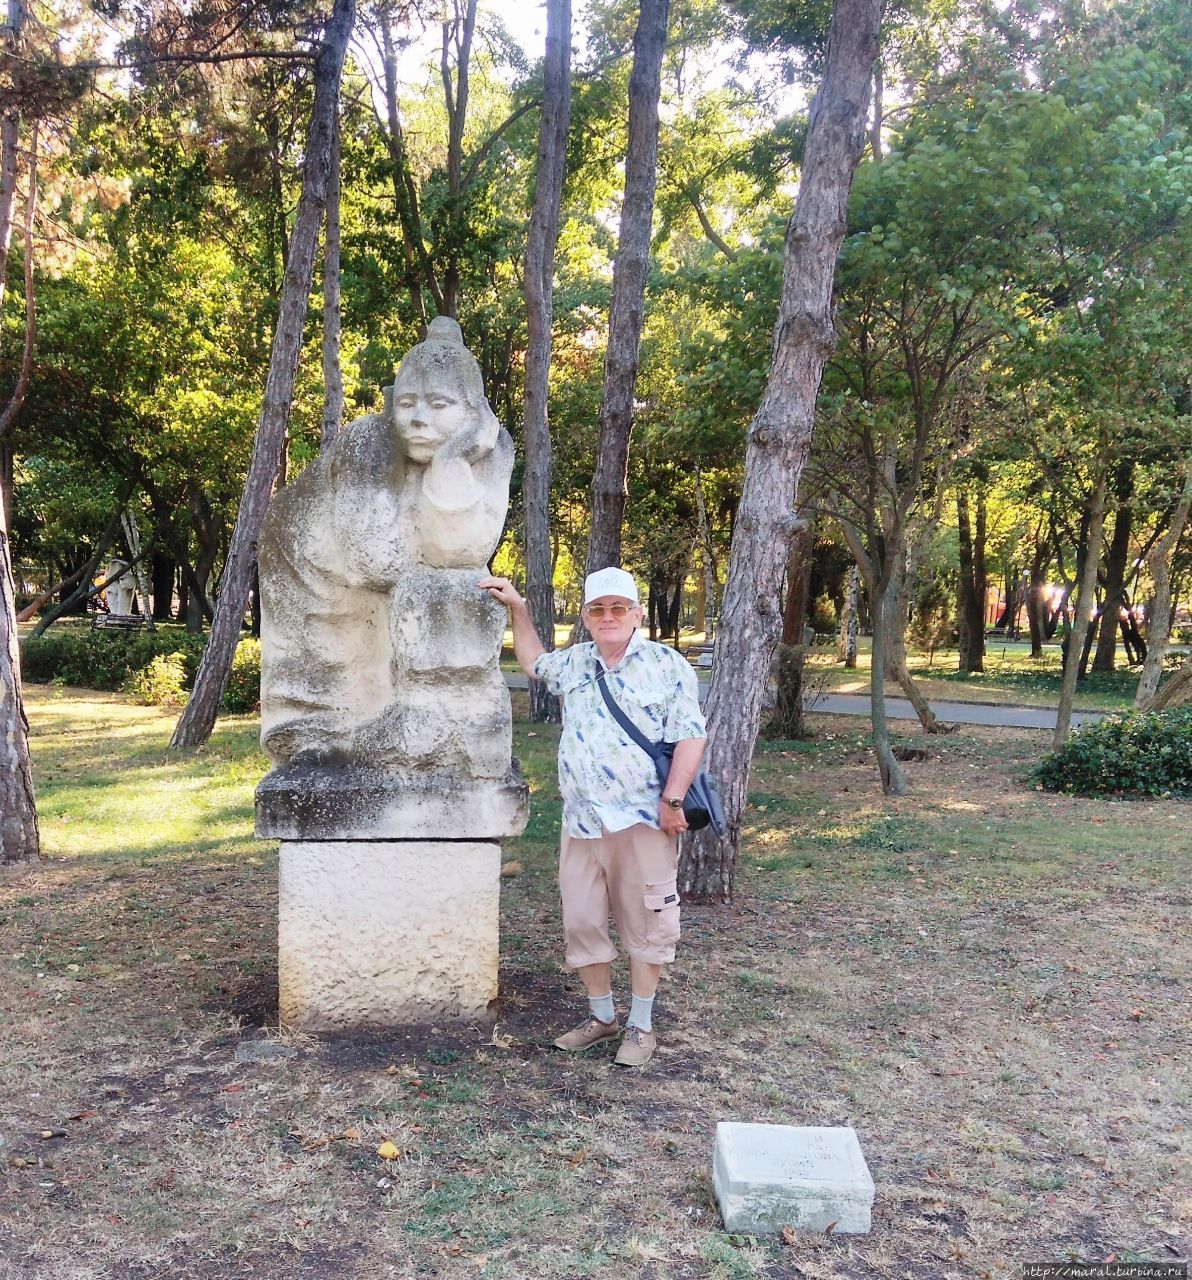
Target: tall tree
[629,289]
[19,836]
[198,719]
[539,291]
[780,435]
[333,377]
[1159,621]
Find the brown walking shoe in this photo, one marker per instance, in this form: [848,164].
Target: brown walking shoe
[637,1048]
[589,1032]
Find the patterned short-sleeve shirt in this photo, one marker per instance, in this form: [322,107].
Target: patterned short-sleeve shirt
[606,780]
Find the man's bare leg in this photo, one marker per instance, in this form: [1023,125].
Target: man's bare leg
[597,979]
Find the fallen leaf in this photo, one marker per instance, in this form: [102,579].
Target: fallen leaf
[829,1228]
[231,1088]
[83,1115]
[579,1157]
[302,1222]
[512,869]
[315,1143]
[352,1135]
[788,1235]
[391,1071]
[389,1151]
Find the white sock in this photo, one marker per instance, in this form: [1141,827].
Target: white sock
[640,1011]
[602,1008]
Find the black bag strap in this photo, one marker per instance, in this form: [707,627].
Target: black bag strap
[622,719]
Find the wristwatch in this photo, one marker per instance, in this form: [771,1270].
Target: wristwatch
[675,802]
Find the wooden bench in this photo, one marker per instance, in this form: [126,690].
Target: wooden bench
[699,655]
[117,621]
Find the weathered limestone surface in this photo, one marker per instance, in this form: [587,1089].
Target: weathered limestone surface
[767,1176]
[378,653]
[373,933]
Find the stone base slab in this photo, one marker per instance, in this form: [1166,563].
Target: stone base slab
[373,933]
[348,802]
[767,1176]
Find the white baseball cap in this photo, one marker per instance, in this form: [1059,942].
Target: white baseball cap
[609,582]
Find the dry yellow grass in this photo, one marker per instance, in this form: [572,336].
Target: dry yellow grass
[988,983]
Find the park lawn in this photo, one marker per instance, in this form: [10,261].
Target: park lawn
[986,981]
[1011,677]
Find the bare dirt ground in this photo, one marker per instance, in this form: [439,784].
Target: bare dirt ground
[988,983]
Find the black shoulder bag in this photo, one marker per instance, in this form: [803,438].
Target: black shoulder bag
[701,804]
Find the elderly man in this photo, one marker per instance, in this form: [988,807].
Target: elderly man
[620,828]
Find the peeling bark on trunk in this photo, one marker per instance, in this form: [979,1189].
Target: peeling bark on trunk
[539,290]
[1082,613]
[779,438]
[629,288]
[198,719]
[1159,623]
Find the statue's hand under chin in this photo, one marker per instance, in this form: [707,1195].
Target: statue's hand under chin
[450,483]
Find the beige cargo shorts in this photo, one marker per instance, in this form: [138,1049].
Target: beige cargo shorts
[633,872]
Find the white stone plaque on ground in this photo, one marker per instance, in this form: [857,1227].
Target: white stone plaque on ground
[767,1176]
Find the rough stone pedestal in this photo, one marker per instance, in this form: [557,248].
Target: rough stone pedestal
[372,933]
[767,1176]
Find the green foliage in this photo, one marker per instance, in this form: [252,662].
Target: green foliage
[104,659]
[155,667]
[823,614]
[1143,754]
[243,691]
[160,684]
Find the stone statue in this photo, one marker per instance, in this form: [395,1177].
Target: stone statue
[382,701]
[120,594]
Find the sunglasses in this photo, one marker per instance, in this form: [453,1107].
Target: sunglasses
[608,610]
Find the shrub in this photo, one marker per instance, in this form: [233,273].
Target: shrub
[823,614]
[243,691]
[160,684]
[103,659]
[1139,753]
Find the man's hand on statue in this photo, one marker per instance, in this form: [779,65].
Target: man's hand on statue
[501,589]
[672,821]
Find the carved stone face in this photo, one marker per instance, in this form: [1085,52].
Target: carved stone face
[427,417]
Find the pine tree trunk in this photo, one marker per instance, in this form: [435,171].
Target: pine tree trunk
[1081,614]
[779,438]
[198,719]
[1159,622]
[539,291]
[1116,563]
[788,719]
[885,601]
[629,288]
[852,620]
[333,378]
[971,595]
[19,837]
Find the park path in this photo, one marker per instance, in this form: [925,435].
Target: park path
[857,704]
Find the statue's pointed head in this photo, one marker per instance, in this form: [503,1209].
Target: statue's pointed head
[439,393]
